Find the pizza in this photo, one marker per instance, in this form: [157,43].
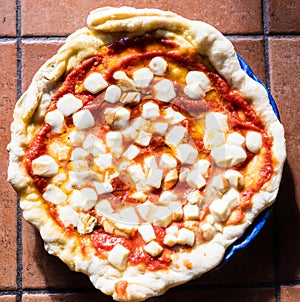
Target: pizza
[142,150]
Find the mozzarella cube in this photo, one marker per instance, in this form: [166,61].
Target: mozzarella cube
[84,199]
[170,240]
[103,187]
[167,196]
[164,90]
[86,223]
[103,161]
[194,197]
[220,184]
[114,141]
[158,65]
[208,231]
[54,194]
[150,162]
[147,210]
[142,77]
[219,210]
[153,248]
[234,178]
[173,116]
[112,94]
[150,110]
[216,121]
[186,153]
[120,75]
[176,208]
[128,215]
[79,153]
[60,151]
[94,145]
[235,138]
[191,212]
[186,237]
[83,120]
[173,229]
[154,178]
[139,196]
[194,91]
[118,256]
[222,156]
[231,198]
[68,104]
[117,118]
[199,77]
[238,155]
[129,132]
[136,172]
[171,178]
[162,216]
[94,82]
[213,138]
[80,165]
[103,208]
[68,215]
[195,180]
[160,128]
[76,137]
[131,152]
[143,138]
[167,161]
[175,136]
[147,232]
[201,166]
[45,166]
[56,120]
[253,141]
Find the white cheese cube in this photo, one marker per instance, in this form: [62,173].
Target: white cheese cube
[184,173]
[167,196]
[68,104]
[200,77]
[154,178]
[238,155]
[147,210]
[150,162]
[208,231]
[139,196]
[164,90]
[79,153]
[220,184]
[231,198]
[186,237]
[191,212]
[194,91]
[213,138]
[235,138]
[120,75]
[167,161]
[45,166]
[103,187]
[153,248]
[114,141]
[173,116]
[94,82]
[222,156]
[150,110]
[170,240]
[120,117]
[136,172]
[253,141]
[176,208]
[80,165]
[67,215]
[129,132]
[142,77]
[103,161]
[112,94]
[76,137]
[158,65]
[94,145]
[160,128]
[56,120]
[162,217]
[103,208]
[175,136]
[173,229]
[186,153]
[84,199]
[54,194]
[171,178]
[59,178]
[143,138]
[138,122]
[234,178]
[195,180]
[217,121]
[131,152]
[86,223]
[194,197]
[147,232]
[118,256]
[83,120]
[128,215]
[60,151]
[201,166]
[219,210]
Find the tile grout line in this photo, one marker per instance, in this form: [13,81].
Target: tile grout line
[19,276]
[266,35]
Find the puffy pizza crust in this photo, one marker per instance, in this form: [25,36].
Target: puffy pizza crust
[106,25]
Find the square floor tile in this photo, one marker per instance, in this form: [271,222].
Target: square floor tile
[7,18]
[290,293]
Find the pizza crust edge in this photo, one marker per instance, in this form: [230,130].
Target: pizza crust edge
[105,25]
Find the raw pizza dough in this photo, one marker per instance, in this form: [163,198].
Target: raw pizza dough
[190,229]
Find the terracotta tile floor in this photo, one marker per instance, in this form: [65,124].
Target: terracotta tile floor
[267,34]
